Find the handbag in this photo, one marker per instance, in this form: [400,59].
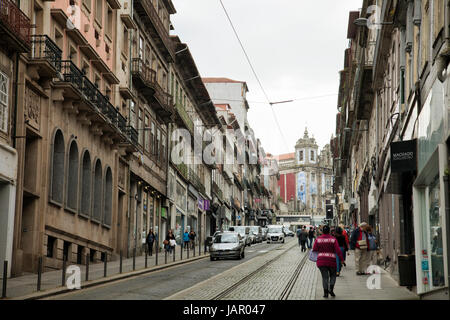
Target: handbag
[313,255]
[165,242]
[173,243]
[362,244]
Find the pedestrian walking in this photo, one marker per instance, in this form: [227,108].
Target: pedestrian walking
[327,247]
[150,240]
[186,239]
[303,238]
[192,236]
[344,248]
[311,236]
[299,232]
[359,242]
[170,242]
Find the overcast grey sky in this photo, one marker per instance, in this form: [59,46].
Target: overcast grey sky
[296,47]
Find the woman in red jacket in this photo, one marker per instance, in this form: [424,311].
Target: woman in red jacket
[327,247]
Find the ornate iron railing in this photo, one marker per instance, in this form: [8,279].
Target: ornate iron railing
[42,47]
[196,182]
[185,117]
[15,20]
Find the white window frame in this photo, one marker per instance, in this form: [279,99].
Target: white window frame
[4,98]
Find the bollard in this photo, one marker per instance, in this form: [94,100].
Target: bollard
[87,266]
[63,280]
[5,278]
[146,255]
[165,256]
[188,250]
[193,247]
[174,251]
[134,258]
[120,264]
[106,265]
[39,274]
[199,247]
[181,250]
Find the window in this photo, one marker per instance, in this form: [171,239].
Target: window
[300,155]
[107,217]
[72,179]
[87,4]
[140,126]
[4,117]
[99,11]
[158,142]
[163,149]
[141,48]
[97,210]
[109,22]
[125,42]
[85,185]
[57,169]
[132,114]
[313,158]
[51,241]
[153,139]
[147,134]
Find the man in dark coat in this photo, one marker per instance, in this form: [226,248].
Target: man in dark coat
[303,238]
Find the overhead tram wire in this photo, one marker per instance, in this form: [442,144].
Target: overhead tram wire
[265,102]
[254,73]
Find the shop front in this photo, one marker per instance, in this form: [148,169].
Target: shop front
[429,193]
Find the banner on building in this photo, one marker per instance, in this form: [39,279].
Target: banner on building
[404,156]
[301,186]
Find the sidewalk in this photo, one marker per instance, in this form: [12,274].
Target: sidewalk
[349,286]
[25,287]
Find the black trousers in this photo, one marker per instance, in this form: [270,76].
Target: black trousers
[150,248]
[303,243]
[328,277]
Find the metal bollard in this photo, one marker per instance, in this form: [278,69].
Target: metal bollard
[87,266]
[5,278]
[39,274]
[181,250]
[134,258]
[174,251]
[63,280]
[193,247]
[188,250]
[105,265]
[120,264]
[165,256]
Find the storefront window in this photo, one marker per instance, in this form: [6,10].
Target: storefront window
[437,258]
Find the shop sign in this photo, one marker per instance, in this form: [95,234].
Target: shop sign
[404,156]
[200,204]
[163,213]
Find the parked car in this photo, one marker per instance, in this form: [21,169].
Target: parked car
[257,231]
[264,232]
[227,244]
[275,233]
[288,232]
[244,232]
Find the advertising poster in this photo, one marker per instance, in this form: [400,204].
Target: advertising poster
[301,186]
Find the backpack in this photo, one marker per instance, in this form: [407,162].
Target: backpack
[372,242]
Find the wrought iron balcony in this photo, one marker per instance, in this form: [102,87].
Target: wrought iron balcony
[144,78]
[182,167]
[155,27]
[15,27]
[196,182]
[217,191]
[43,48]
[87,90]
[183,115]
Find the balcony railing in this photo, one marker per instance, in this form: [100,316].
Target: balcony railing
[217,191]
[71,73]
[196,182]
[148,12]
[146,78]
[182,167]
[15,20]
[42,47]
[185,117]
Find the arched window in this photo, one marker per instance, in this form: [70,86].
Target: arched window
[107,213]
[97,209]
[57,169]
[72,181]
[86,185]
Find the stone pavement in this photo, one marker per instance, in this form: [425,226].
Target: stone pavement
[25,287]
[350,286]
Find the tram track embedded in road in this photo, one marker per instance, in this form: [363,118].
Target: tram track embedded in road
[286,291]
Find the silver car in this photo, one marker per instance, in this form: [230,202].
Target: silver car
[275,234]
[244,232]
[227,244]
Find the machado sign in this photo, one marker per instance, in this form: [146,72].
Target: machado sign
[404,156]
